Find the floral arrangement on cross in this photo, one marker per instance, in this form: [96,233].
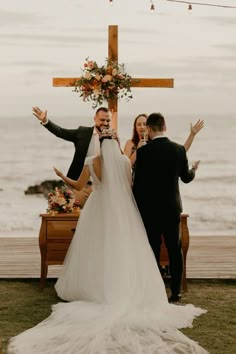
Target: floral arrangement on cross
[62,200]
[107,82]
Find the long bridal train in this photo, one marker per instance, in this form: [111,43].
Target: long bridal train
[87,328]
[118,302]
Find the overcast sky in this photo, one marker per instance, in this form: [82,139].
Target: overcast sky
[51,38]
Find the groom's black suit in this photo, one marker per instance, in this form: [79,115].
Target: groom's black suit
[159,165]
[81,138]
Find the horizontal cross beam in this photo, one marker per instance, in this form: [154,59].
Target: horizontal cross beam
[137,82]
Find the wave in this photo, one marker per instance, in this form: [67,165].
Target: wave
[210,199]
[223,179]
[216,162]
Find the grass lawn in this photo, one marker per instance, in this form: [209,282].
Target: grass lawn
[22,306]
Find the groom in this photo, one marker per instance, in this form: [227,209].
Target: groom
[160,164]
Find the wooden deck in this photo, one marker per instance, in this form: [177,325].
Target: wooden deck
[209,257]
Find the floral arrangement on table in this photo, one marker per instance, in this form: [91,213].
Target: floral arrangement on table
[62,200]
[107,82]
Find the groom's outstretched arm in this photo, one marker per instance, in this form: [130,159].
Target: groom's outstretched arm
[66,134]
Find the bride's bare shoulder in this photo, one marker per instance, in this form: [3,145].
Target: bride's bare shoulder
[97,159]
[97,166]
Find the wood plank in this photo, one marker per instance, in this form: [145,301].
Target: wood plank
[209,257]
[137,82]
[152,82]
[113,43]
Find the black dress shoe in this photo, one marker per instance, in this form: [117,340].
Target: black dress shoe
[174,298]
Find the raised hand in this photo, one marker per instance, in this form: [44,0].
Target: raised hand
[194,129]
[59,173]
[38,113]
[195,165]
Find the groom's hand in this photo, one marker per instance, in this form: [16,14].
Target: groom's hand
[38,113]
[194,129]
[195,165]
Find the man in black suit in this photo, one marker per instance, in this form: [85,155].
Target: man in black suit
[160,164]
[85,139]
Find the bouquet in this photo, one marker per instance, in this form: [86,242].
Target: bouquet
[107,82]
[62,200]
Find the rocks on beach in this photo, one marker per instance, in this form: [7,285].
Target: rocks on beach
[44,187]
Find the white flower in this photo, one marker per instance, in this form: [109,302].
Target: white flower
[87,75]
[107,78]
[98,77]
[61,201]
[96,92]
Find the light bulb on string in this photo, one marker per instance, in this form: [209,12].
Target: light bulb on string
[111,2]
[152,8]
[203,3]
[190,8]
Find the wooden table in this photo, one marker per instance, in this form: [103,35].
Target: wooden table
[56,233]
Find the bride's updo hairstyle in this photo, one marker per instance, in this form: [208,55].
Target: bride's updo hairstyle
[107,134]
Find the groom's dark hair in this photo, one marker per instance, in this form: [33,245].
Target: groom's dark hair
[104,109]
[156,122]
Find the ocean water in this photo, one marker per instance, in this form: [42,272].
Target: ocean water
[28,153]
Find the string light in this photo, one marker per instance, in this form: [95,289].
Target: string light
[152,8]
[204,4]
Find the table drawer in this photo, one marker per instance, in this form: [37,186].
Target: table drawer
[57,230]
[57,250]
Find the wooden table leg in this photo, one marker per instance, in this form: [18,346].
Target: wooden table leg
[43,252]
[44,272]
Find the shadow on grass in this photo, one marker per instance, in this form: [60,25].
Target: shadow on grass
[23,305]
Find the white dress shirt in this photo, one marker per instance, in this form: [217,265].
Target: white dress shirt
[94,145]
[159,136]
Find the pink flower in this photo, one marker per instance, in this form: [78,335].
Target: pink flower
[107,78]
[90,64]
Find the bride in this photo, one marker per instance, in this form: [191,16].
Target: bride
[116,298]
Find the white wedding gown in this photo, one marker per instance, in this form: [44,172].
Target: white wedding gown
[117,298]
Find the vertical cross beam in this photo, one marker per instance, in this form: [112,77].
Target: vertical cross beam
[113,56]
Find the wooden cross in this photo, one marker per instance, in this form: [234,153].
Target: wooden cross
[113,56]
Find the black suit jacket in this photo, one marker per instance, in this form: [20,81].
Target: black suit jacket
[81,138]
[159,166]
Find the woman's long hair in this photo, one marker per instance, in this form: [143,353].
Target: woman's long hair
[135,137]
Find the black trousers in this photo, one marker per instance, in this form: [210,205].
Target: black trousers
[169,227]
